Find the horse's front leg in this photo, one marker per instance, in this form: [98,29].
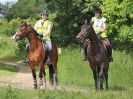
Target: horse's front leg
[42,71]
[33,75]
[93,67]
[106,78]
[101,77]
[34,79]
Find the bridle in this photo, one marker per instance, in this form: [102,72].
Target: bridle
[23,30]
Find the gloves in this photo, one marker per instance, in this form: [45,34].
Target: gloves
[40,35]
[99,36]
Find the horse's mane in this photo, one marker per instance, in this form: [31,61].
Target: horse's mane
[29,26]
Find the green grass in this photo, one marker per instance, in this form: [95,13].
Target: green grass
[7,70]
[10,93]
[73,71]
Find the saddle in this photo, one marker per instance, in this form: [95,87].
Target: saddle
[106,45]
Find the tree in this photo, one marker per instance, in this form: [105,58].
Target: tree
[22,9]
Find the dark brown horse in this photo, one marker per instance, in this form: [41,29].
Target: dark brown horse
[96,55]
[36,55]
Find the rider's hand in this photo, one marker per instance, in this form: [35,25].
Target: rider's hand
[40,35]
[99,36]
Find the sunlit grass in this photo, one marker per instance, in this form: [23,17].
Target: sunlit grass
[75,72]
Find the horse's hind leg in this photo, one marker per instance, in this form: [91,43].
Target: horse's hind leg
[95,78]
[44,73]
[106,78]
[52,76]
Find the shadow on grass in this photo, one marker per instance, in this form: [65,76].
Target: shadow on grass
[118,88]
[8,68]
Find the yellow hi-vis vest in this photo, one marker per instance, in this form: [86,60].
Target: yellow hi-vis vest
[42,27]
[98,24]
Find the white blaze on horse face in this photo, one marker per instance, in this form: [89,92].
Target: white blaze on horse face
[14,38]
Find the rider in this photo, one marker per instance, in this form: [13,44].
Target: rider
[44,28]
[99,24]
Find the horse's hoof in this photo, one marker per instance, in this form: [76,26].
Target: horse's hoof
[42,87]
[34,87]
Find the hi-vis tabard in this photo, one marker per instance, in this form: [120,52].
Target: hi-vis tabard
[42,27]
[99,24]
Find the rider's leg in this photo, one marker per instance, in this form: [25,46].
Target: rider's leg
[27,48]
[50,48]
[109,50]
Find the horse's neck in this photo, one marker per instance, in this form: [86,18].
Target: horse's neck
[94,40]
[33,39]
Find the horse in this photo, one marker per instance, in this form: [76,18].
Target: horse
[96,55]
[37,55]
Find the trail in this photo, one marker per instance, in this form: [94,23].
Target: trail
[23,79]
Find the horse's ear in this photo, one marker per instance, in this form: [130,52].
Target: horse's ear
[23,22]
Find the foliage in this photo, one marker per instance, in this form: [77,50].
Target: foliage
[8,28]
[7,48]
[69,15]
[120,16]
[22,9]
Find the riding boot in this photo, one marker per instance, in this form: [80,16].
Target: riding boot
[48,62]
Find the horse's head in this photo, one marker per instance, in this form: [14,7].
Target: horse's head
[22,31]
[84,33]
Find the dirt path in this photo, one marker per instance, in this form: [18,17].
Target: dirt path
[23,79]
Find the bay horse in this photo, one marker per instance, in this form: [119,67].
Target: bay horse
[96,55]
[36,55]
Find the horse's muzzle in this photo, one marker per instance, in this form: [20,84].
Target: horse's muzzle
[15,38]
[78,40]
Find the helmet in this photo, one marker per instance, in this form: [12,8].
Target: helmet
[97,10]
[44,12]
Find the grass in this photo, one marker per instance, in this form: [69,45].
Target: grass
[74,72]
[7,70]
[10,93]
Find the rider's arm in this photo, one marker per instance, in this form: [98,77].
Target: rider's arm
[104,26]
[49,30]
[35,27]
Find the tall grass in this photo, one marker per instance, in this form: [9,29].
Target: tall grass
[73,71]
